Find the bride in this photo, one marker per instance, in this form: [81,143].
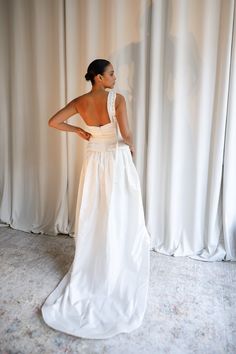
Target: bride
[105,291]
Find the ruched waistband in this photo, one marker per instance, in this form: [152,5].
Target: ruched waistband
[106,146]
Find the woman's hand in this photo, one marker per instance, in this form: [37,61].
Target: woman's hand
[83,134]
[132,150]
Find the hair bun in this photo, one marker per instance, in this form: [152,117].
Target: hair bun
[87,76]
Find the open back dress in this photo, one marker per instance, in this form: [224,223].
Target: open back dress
[105,291]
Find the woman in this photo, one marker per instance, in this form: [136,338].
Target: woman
[105,290]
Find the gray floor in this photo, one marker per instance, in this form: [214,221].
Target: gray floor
[191,305]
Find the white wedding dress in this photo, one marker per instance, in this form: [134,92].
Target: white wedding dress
[106,288]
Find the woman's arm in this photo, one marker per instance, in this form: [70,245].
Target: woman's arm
[57,120]
[122,119]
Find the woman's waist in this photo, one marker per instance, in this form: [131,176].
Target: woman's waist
[103,145]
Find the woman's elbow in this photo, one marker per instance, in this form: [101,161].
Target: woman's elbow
[127,135]
[50,122]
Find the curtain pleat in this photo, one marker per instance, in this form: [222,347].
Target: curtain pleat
[229,163]
[33,156]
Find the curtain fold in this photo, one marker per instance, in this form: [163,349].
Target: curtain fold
[175,65]
[229,164]
[188,105]
[33,156]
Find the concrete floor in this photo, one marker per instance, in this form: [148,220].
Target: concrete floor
[191,305]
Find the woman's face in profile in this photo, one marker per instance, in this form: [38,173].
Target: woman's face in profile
[109,77]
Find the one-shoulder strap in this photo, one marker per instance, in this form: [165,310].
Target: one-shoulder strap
[112,113]
[111,105]
[113,96]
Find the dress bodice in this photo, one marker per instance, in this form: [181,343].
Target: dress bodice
[107,136]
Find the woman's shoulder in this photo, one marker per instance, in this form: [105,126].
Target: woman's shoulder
[120,98]
[84,98]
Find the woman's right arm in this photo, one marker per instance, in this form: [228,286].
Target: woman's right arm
[58,120]
[122,119]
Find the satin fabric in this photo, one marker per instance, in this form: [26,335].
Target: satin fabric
[106,288]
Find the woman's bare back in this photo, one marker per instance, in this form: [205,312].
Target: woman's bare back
[92,107]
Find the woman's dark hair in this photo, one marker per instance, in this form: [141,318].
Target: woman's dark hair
[96,67]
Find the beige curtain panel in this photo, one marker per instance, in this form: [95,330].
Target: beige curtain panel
[175,65]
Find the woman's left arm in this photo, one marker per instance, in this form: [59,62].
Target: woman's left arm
[57,120]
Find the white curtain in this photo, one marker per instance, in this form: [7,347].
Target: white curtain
[175,64]
[191,67]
